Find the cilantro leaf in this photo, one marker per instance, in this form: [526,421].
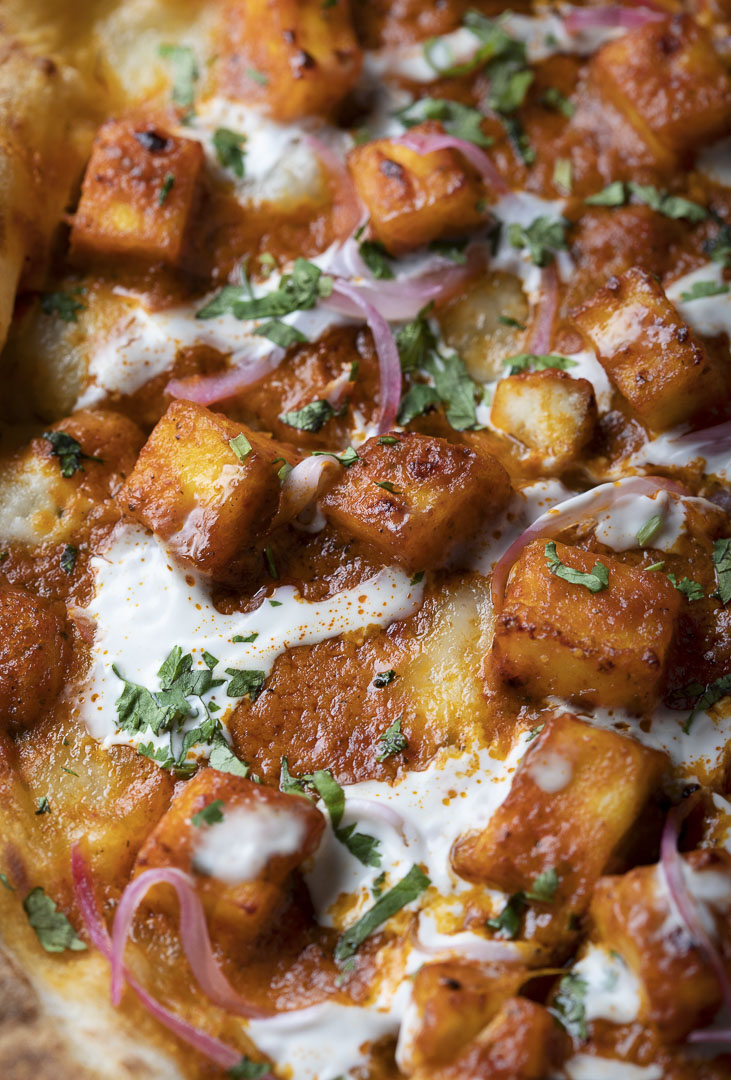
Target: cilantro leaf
[184,71]
[68,451]
[311,417]
[613,194]
[543,237]
[68,558]
[387,486]
[569,1005]
[552,98]
[597,580]
[248,1069]
[229,150]
[240,446]
[719,246]
[408,889]
[700,289]
[211,814]
[719,688]
[451,249]
[722,564]
[544,887]
[245,683]
[455,388]
[537,362]
[281,333]
[673,206]
[44,807]
[376,258]
[224,760]
[507,922]
[393,741]
[415,342]
[298,291]
[383,678]
[52,928]
[165,188]
[6,884]
[161,754]
[457,119]
[346,459]
[693,590]
[649,530]
[63,304]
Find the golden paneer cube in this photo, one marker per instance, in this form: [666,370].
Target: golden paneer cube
[193,489]
[451,1002]
[415,198]
[35,646]
[240,841]
[549,412]
[296,57]
[576,794]
[671,84]
[607,648]
[523,1042]
[413,497]
[139,193]
[634,916]
[649,353]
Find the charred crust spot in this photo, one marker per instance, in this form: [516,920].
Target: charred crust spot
[152,141]
[392,169]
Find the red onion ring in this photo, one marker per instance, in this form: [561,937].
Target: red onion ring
[209,389]
[347,212]
[302,486]
[542,331]
[672,868]
[193,934]
[570,512]
[716,439]
[216,1051]
[377,811]
[591,18]
[389,364]
[422,143]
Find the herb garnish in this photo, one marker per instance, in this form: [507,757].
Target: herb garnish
[346,459]
[393,741]
[673,206]
[53,930]
[229,150]
[543,237]
[249,1070]
[383,678]
[68,451]
[245,683]
[543,890]
[701,289]
[184,71]
[692,590]
[408,889]
[298,291]
[241,447]
[44,807]
[63,304]
[311,417]
[459,120]
[68,558]
[649,530]
[597,580]
[537,362]
[569,1005]
[165,188]
[209,815]
[722,564]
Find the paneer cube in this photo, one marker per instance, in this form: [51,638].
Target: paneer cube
[415,198]
[35,647]
[649,353]
[451,1001]
[194,491]
[634,916]
[296,57]
[670,83]
[241,852]
[551,413]
[412,499]
[574,797]
[607,648]
[523,1042]
[139,194]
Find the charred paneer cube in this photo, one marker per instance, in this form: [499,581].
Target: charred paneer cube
[451,1002]
[552,414]
[205,485]
[295,57]
[139,193]
[411,496]
[584,640]
[35,647]
[414,198]
[523,1042]
[671,84]
[649,352]
[240,841]
[633,914]
[575,795]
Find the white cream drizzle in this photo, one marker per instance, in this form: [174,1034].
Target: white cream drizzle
[612,989]
[144,604]
[589,1067]
[708,315]
[238,848]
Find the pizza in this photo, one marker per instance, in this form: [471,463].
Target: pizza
[365,540]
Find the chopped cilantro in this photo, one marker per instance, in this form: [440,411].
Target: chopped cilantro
[6,883]
[649,530]
[457,119]
[184,71]
[52,928]
[562,175]
[388,440]
[68,451]
[387,486]
[451,249]
[417,578]
[44,807]
[569,1005]
[700,289]
[240,446]
[246,1068]
[392,741]
[229,150]
[246,640]
[165,188]
[506,320]
[543,237]
[311,417]
[209,815]
[534,732]
[346,459]
[708,696]
[63,304]
[376,258]
[69,771]
[298,291]
[408,889]
[544,887]
[383,678]
[719,246]
[552,98]
[378,883]
[655,566]
[722,564]
[271,565]
[673,206]
[537,362]
[68,558]
[692,590]
[281,333]
[245,683]
[415,342]
[417,399]
[507,922]
[224,760]
[613,194]
[363,847]
[258,76]
[597,580]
